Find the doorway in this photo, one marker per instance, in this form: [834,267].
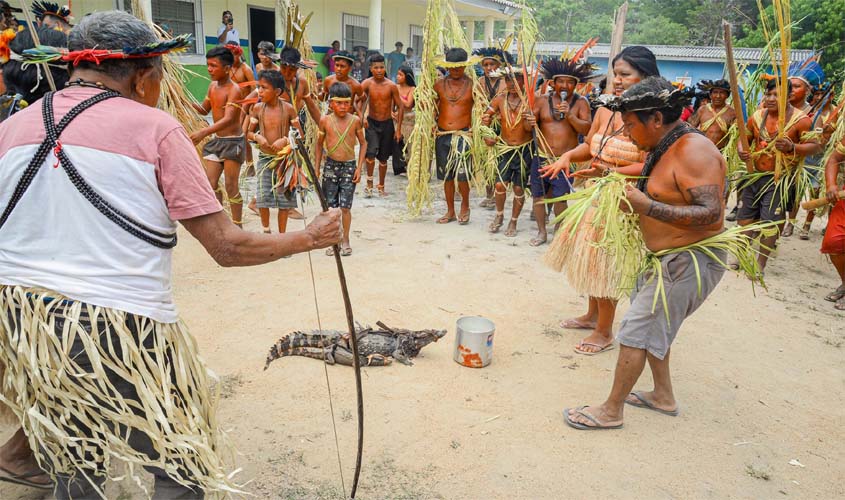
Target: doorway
[262,27]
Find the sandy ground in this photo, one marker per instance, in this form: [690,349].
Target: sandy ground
[759,379]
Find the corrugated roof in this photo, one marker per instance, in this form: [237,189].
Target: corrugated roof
[673,52]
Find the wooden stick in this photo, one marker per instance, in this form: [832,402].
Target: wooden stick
[620,16]
[37,41]
[740,120]
[820,202]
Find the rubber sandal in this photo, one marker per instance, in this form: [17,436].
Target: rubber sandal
[496,225]
[464,219]
[602,348]
[345,251]
[330,251]
[787,231]
[536,242]
[573,324]
[840,304]
[381,191]
[837,294]
[644,403]
[446,219]
[584,427]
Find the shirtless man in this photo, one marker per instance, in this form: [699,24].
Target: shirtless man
[561,121]
[454,118]
[679,203]
[515,149]
[266,57]
[764,199]
[242,74]
[343,61]
[493,86]
[716,117]
[224,153]
[382,104]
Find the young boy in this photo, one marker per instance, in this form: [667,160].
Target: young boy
[224,153]
[266,56]
[297,89]
[515,149]
[343,62]
[382,96]
[338,133]
[270,121]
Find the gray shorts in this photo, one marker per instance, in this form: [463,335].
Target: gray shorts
[220,149]
[266,195]
[643,329]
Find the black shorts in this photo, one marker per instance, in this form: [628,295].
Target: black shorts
[380,139]
[762,201]
[515,165]
[541,186]
[461,166]
[338,187]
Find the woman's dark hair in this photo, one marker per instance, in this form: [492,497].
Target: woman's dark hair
[341,90]
[26,82]
[223,54]
[640,58]
[409,75]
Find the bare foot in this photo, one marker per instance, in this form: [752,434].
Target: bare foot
[252,207]
[589,417]
[381,191]
[295,215]
[511,231]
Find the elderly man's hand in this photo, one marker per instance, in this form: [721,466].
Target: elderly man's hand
[326,230]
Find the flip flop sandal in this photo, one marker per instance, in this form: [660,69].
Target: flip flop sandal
[464,220]
[572,324]
[836,294]
[497,224]
[381,191]
[804,234]
[840,304]
[446,220]
[644,403]
[787,231]
[346,251]
[23,479]
[602,348]
[536,242]
[584,427]
[330,251]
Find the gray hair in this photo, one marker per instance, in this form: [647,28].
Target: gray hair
[113,30]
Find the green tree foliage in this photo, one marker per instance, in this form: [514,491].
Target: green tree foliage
[819,23]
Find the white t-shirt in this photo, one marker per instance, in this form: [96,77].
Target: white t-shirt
[141,161]
[231,36]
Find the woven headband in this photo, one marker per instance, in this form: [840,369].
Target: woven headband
[648,101]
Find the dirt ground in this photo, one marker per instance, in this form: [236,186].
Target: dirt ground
[759,379]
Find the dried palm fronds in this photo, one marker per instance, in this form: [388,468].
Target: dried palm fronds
[837,121]
[599,245]
[736,241]
[779,46]
[441,29]
[68,410]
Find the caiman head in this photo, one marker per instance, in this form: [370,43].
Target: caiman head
[415,340]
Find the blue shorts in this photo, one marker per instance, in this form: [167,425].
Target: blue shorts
[555,187]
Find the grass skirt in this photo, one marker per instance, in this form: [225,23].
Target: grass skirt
[69,411]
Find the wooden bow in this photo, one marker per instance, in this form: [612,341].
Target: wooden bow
[350,321]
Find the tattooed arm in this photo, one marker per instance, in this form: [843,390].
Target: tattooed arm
[698,171]
[705,208]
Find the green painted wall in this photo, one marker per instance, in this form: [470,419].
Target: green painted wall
[198,84]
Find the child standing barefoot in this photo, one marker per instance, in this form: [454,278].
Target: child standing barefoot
[270,121]
[339,132]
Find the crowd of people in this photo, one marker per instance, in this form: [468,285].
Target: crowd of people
[104,309]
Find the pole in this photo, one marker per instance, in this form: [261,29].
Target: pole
[740,120]
[615,43]
[31,25]
[814,204]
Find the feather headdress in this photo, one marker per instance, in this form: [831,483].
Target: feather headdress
[6,37]
[41,9]
[808,71]
[709,85]
[495,53]
[44,54]
[571,64]
[677,98]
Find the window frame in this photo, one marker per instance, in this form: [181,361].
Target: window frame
[199,31]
